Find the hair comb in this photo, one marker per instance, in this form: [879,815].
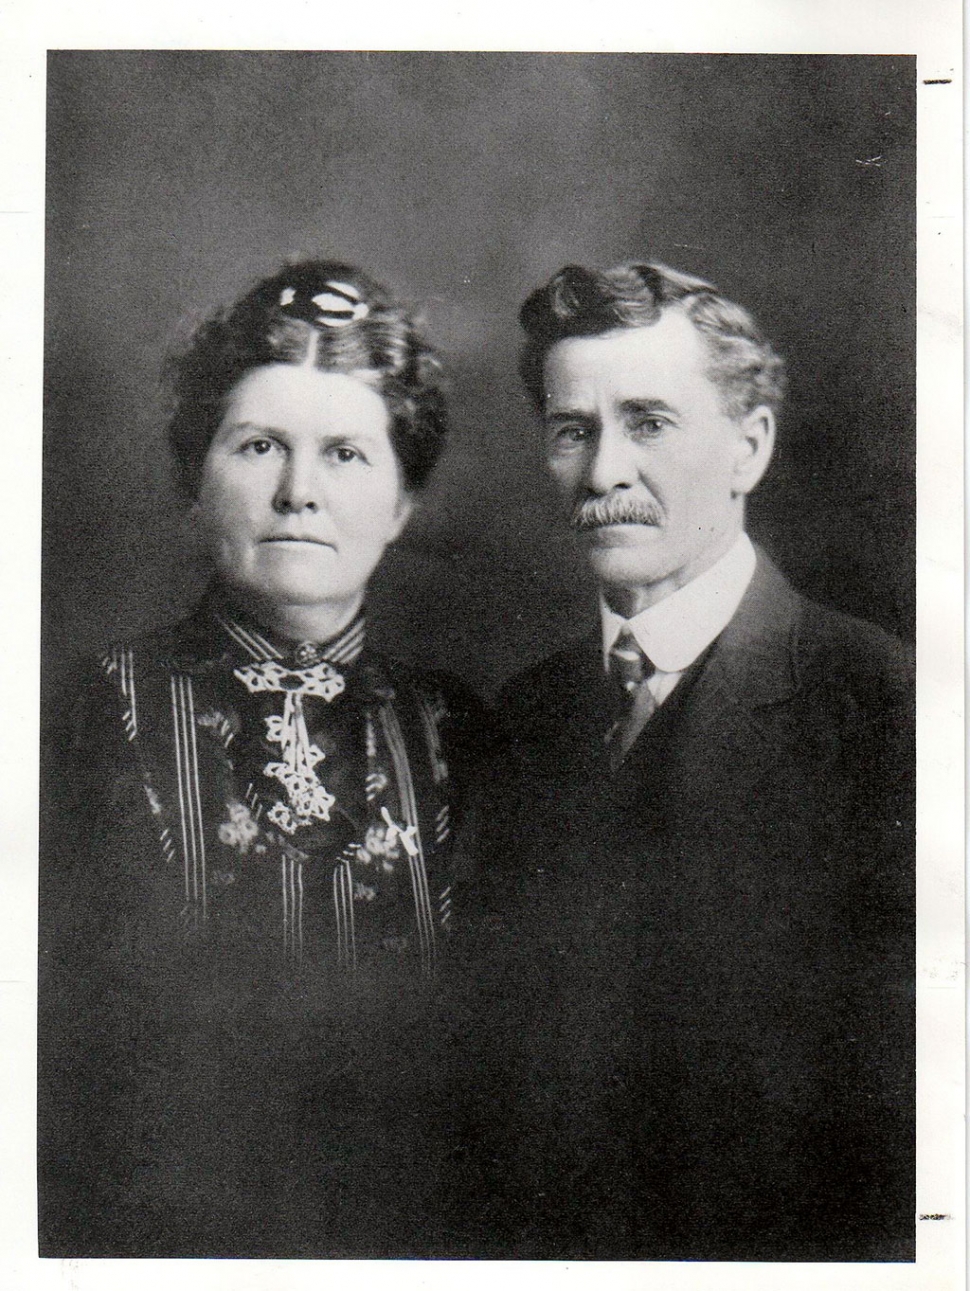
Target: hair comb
[337,304]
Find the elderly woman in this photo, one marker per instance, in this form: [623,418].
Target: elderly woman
[245,922]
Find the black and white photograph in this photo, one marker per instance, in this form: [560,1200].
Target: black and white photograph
[478,689]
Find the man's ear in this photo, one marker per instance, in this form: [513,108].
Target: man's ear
[755,444]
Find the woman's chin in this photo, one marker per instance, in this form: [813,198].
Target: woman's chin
[282,581]
[271,597]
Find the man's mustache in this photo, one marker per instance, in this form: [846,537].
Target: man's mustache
[596,512]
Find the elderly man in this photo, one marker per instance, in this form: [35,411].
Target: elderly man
[698,943]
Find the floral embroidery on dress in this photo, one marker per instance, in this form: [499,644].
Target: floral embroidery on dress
[379,844]
[240,829]
[376,784]
[225,727]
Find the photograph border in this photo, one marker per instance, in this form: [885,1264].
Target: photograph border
[933,34]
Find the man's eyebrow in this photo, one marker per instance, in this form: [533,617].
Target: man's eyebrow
[645,405]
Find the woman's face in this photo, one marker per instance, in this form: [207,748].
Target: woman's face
[301,490]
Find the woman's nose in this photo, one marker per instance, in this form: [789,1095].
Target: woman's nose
[297,488]
[611,463]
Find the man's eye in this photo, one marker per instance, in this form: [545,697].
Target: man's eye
[570,433]
[651,425]
[345,453]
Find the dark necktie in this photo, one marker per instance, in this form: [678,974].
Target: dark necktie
[629,672]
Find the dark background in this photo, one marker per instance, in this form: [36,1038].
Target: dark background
[463,180]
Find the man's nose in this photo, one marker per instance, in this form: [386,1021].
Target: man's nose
[298,486]
[612,461]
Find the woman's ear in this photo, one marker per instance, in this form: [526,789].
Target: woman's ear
[192,526]
[406,503]
[755,445]
[192,519]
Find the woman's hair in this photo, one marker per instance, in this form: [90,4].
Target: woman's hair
[584,302]
[321,312]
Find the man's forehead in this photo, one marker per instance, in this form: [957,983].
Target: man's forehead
[628,360]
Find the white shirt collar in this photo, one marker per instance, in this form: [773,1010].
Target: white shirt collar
[675,631]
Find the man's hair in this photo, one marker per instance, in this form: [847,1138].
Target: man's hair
[585,302]
[319,311]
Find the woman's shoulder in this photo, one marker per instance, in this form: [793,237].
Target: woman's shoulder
[405,674]
[114,682]
[188,644]
[454,705]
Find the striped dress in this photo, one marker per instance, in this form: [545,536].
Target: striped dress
[247,901]
[300,803]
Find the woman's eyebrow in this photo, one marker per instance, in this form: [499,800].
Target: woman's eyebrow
[568,414]
[244,426]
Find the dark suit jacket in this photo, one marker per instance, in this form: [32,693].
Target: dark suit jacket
[697,972]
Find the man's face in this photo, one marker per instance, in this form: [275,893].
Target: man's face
[651,469]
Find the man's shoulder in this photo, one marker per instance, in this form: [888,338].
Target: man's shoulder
[552,688]
[775,625]
[821,644]
[837,649]
[575,657]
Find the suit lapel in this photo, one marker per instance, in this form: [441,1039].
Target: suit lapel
[751,664]
[727,724]
[725,719]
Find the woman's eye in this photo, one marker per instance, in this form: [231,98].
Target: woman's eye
[651,425]
[257,447]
